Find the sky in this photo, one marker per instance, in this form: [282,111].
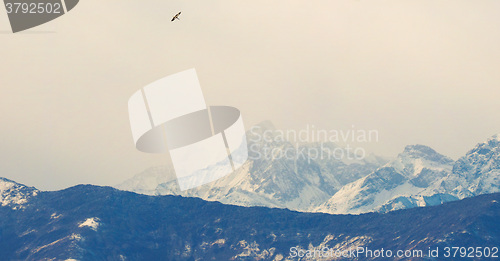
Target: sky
[418,72]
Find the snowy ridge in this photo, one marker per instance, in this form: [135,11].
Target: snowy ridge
[294,182]
[478,172]
[421,177]
[150,179]
[13,194]
[418,177]
[116,225]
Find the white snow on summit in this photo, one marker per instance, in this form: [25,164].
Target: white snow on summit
[14,194]
[414,170]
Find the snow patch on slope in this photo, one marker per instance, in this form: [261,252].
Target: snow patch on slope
[92,223]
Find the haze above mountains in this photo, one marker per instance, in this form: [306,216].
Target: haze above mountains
[419,176]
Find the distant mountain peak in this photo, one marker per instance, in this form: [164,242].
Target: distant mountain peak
[419,150]
[490,147]
[478,171]
[495,137]
[6,184]
[493,142]
[6,180]
[266,125]
[424,152]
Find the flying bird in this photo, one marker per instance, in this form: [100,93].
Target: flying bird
[176,17]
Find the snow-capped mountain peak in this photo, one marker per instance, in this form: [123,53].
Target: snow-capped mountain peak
[416,159]
[414,170]
[13,194]
[424,152]
[478,172]
[495,137]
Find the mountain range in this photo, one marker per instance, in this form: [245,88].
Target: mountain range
[422,177]
[102,223]
[293,182]
[419,176]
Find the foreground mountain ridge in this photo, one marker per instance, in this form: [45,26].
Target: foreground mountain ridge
[101,223]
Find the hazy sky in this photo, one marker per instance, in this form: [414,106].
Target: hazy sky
[422,72]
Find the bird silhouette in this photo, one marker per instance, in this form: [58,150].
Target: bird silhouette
[176,17]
